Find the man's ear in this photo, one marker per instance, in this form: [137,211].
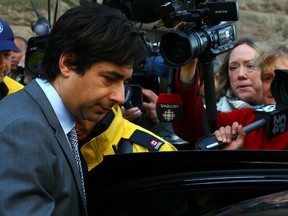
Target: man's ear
[64,64]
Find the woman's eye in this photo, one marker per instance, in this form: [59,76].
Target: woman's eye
[233,68]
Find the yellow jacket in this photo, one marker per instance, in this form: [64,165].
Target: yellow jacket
[122,130]
[12,85]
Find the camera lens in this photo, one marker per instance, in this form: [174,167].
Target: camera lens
[34,61]
[177,48]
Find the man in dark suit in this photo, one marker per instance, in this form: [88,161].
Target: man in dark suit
[91,52]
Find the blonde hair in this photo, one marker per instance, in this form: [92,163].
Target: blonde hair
[270,54]
[224,88]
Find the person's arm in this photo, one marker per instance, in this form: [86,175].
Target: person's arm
[189,125]
[188,72]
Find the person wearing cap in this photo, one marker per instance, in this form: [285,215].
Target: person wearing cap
[18,60]
[7,45]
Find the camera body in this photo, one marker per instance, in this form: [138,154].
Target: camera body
[210,32]
[178,47]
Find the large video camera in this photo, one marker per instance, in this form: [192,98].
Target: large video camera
[206,34]
[211,29]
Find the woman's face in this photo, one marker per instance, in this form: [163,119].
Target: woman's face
[244,76]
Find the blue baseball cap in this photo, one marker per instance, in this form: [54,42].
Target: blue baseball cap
[6,37]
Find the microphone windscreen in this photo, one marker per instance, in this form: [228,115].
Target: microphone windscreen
[275,120]
[147,11]
[169,99]
[168,107]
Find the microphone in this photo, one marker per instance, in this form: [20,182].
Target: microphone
[276,119]
[274,122]
[147,11]
[169,106]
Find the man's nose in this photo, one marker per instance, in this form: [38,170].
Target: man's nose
[118,96]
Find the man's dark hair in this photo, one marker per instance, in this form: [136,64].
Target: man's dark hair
[92,33]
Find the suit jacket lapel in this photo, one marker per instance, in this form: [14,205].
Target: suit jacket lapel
[39,96]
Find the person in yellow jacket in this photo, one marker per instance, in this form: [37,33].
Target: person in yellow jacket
[7,45]
[97,140]
[12,85]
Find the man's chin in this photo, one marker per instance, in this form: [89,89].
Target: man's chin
[96,118]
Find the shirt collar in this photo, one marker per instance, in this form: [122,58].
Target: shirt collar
[65,118]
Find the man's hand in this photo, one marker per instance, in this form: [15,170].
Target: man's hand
[131,114]
[233,137]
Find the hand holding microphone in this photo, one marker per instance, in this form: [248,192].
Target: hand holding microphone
[233,136]
[272,120]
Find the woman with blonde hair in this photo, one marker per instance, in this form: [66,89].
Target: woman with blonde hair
[240,82]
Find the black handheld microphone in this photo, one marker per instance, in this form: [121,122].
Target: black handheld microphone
[169,105]
[274,122]
[211,143]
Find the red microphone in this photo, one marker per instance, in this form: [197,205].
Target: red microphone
[168,107]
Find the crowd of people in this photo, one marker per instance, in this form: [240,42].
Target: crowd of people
[245,83]
[91,54]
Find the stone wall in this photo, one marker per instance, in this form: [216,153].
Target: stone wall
[267,19]
[21,16]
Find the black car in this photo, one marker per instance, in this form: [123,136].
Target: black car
[188,183]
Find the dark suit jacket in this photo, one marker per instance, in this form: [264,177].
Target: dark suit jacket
[38,174]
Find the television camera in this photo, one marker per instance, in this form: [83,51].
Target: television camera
[211,29]
[210,32]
